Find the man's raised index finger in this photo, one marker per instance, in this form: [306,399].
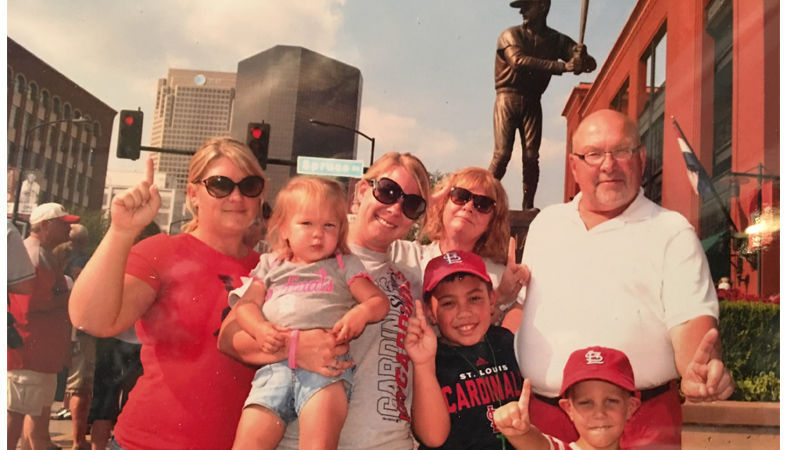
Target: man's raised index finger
[703,353]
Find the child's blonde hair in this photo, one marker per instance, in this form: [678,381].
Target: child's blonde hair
[304,192]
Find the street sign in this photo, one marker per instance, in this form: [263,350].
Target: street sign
[330,167]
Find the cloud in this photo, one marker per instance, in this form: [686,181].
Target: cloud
[396,133]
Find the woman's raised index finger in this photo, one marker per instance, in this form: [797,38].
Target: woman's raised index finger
[512,252]
[149,169]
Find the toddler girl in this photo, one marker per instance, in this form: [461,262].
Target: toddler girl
[310,280]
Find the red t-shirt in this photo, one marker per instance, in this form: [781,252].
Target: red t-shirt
[191,395]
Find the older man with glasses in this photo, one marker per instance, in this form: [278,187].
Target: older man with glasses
[613,268]
[44,325]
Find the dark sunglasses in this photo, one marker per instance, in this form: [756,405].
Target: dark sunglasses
[220,186]
[482,203]
[388,192]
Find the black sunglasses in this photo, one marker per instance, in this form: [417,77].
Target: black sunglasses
[388,192]
[220,186]
[482,203]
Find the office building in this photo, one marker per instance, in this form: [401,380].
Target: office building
[191,106]
[285,86]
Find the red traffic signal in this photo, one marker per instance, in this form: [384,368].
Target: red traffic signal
[129,138]
[258,141]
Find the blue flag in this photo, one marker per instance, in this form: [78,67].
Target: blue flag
[701,182]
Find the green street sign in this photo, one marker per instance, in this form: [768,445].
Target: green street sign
[329,167]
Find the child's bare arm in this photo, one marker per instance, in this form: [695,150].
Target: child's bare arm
[430,419]
[513,420]
[373,305]
[270,338]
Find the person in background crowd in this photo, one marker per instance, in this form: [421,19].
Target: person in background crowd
[80,377]
[20,277]
[44,326]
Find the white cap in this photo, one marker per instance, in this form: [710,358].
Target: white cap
[47,211]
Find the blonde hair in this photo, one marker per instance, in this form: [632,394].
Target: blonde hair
[493,243]
[411,163]
[307,192]
[210,151]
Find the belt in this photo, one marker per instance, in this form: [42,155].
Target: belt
[646,394]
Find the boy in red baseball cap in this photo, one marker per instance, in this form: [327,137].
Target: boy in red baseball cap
[470,371]
[597,393]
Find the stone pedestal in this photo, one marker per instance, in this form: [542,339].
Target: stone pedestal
[731,425]
[520,221]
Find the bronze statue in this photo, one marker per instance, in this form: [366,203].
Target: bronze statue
[527,56]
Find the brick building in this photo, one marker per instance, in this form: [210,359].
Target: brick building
[68,160]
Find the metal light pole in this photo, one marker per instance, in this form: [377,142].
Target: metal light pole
[336,125]
[25,149]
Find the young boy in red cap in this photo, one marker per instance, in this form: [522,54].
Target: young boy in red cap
[470,371]
[597,393]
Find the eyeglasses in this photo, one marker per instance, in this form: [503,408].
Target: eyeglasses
[220,186]
[482,203]
[388,192]
[596,158]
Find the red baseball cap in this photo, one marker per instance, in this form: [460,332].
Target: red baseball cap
[598,363]
[449,263]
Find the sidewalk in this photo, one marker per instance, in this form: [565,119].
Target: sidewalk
[60,430]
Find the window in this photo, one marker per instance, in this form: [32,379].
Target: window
[57,107]
[67,111]
[20,84]
[651,118]
[33,92]
[13,117]
[45,103]
[719,25]
[620,101]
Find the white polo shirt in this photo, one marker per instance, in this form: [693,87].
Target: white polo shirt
[623,284]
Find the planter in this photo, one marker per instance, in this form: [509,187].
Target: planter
[731,425]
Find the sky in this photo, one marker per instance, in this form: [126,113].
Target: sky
[427,65]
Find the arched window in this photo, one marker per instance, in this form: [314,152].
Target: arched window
[45,99]
[33,92]
[20,84]
[57,107]
[96,130]
[67,111]
[75,114]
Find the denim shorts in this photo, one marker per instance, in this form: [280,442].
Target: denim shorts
[284,391]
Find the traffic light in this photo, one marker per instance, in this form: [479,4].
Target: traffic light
[129,138]
[258,141]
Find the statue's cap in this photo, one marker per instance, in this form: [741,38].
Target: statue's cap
[521,3]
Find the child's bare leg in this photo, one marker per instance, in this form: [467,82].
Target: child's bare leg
[322,418]
[259,428]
